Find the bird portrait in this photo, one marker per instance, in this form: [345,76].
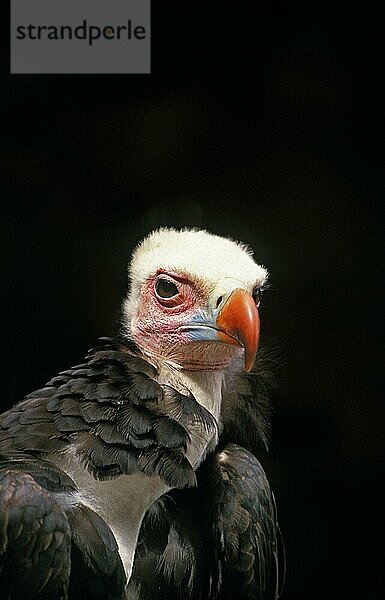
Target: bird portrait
[134,474]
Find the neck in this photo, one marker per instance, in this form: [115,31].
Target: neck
[206,388]
[202,357]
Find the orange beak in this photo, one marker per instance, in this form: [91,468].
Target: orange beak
[238,324]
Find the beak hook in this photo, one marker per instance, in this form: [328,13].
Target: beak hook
[238,324]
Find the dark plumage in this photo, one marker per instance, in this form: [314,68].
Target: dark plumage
[116,413]
[35,539]
[133,474]
[227,548]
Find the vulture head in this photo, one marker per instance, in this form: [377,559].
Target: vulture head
[193,300]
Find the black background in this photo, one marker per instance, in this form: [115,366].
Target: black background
[262,125]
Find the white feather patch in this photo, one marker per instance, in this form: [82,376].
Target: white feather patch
[217,262]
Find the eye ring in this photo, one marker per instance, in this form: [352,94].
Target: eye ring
[166,289]
[257,295]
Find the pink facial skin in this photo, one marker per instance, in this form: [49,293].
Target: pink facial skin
[156,327]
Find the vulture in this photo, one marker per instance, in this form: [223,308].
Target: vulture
[133,475]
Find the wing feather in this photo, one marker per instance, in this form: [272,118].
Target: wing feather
[112,410]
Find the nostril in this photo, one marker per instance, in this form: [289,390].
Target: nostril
[219,301]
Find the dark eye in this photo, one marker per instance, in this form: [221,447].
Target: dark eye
[166,289]
[257,295]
